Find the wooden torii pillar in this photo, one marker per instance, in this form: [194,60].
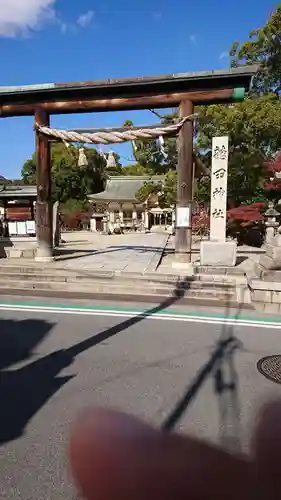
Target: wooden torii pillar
[44,209]
[183,240]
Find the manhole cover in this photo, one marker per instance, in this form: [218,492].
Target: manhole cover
[270,367]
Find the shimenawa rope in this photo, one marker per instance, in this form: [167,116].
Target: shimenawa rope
[114,136]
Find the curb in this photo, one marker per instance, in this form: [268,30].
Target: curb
[119,297]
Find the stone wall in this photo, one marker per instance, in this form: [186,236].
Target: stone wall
[265,295]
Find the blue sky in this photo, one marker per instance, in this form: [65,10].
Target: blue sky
[43,41]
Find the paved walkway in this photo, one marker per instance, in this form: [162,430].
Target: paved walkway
[131,253]
[124,253]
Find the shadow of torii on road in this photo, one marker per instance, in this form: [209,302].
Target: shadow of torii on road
[25,390]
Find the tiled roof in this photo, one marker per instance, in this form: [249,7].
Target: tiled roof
[124,187]
[14,192]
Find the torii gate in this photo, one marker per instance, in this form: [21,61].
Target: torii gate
[184,90]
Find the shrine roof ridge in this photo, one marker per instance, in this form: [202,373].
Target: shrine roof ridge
[124,187]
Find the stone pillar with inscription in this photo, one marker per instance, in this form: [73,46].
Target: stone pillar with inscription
[218,251]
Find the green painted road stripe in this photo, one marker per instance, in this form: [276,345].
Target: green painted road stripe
[152,311]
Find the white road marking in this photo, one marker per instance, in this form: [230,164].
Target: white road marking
[149,315]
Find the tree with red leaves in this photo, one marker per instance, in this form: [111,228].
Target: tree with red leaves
[247,213]
[246,224]
[272,183]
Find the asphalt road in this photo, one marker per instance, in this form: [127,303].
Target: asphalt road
[54,363]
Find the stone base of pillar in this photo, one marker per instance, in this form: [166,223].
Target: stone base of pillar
[182,264]
[44,254]
[218,253]
[43,259]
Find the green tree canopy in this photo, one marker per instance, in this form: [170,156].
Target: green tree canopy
[151,157]
[254,130]
[70,182]
[253,126]
[147,190]
[28,171]
[136,169]
[262,48]
[168,197]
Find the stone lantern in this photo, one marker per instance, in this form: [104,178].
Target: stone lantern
[271,222]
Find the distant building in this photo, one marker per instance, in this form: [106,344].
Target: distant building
[17,209]
[117,205]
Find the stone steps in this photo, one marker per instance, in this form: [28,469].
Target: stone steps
[38,270]
[122,280]
[28,278]
[116,288]
[219,270]
[151,279]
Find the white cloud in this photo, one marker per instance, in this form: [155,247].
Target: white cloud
[193,38]
[223,55]
[85,19]
[18,17]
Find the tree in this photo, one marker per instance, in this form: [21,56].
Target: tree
[73,206]
[247,213]
[28,171]
[246,223]
[253,126]
[168,195]
[165,191]
[136,169]
[254,130]
[149,156]
[70,182]
[272,183]
[149,189]
[153,158]
[60,155]
[263,48]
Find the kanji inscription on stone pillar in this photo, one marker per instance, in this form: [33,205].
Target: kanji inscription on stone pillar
[219,188]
